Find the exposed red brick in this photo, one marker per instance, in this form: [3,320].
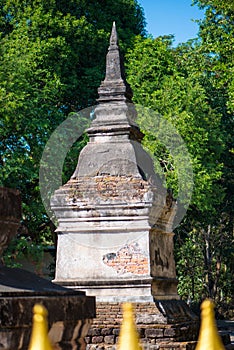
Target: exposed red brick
[129,259]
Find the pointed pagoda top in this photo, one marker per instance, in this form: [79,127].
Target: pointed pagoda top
[114,87]
[114,36]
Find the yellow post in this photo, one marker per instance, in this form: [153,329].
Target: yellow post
[39,337]
[209,338]
[128,337]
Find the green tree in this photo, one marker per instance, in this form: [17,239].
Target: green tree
[179,84]
[162,82]
[52,61]
[217,39]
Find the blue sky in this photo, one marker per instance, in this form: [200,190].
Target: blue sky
[171,17]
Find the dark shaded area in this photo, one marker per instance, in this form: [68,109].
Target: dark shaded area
[25,281]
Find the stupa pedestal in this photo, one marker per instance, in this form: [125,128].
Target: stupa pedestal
[115,238]
[114,253]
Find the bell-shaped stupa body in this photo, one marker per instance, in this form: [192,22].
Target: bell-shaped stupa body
[114,218]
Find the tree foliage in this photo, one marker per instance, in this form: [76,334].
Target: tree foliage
[192,87]
[164,80]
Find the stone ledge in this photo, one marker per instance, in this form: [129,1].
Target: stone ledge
[67,315]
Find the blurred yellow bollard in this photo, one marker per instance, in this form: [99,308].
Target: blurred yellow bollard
[128,337]
[209,338]
[39,338]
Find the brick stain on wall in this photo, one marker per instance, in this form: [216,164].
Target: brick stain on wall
[129,259]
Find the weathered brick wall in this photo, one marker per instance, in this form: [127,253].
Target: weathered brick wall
[104,332]
[129,259]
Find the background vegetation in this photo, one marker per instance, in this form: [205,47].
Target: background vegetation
[52,59]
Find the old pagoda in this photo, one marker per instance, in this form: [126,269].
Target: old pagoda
[115,238]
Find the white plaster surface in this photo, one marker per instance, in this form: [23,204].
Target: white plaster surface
[80,255]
